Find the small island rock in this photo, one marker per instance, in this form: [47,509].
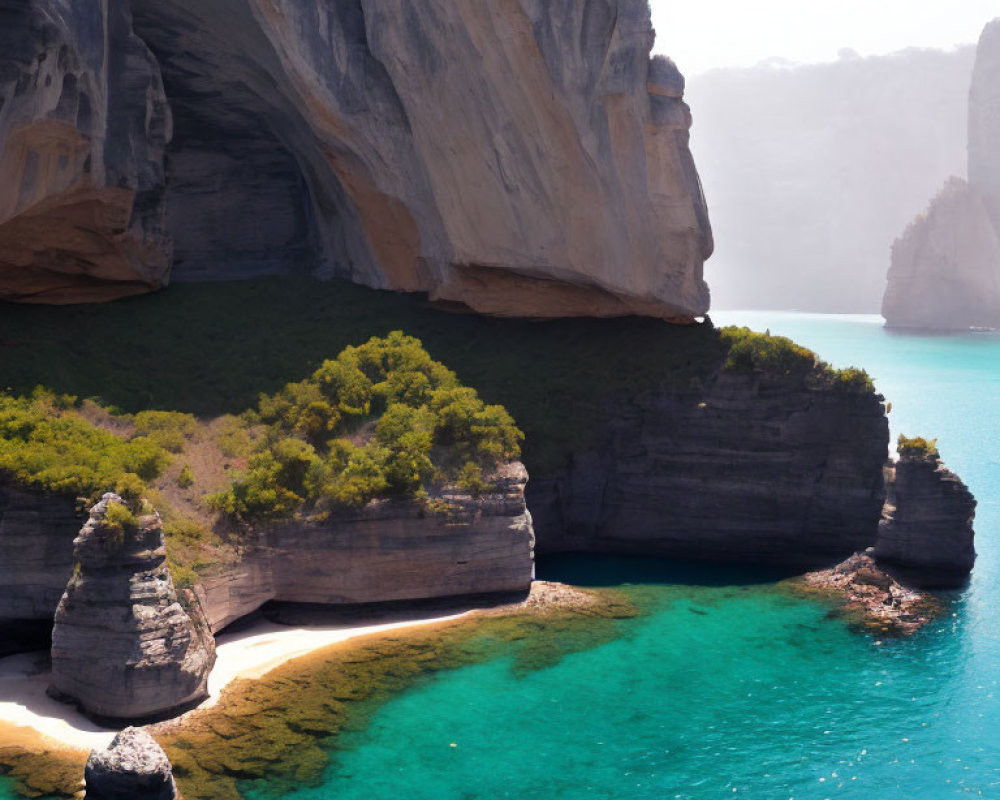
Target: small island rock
[926,534]
[134,767]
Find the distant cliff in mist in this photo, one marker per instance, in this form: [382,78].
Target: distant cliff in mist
[810,172]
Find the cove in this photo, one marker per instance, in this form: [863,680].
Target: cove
[729,686]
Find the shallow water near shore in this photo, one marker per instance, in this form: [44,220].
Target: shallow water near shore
[727,685]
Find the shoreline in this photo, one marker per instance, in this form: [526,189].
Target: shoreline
[30,718]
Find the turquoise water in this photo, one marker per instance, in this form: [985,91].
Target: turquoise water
[731,688]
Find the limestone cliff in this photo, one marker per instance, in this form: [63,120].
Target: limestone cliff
[521,158]
[83,126]
[122,645]
[945,270]
[386,551]
[926,536]
[750,467]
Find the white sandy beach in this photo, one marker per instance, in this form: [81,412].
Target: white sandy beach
[250,653]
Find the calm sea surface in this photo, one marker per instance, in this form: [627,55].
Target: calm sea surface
[729,687]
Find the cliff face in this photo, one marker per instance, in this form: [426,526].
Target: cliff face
[750,468]
[122,645]
[83,126]
[927,534]
[387,551]
[36,536]
[945,270]
[521,158]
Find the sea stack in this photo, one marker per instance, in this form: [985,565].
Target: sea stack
[123,647]
[945,271]
[926,535]
[134,767]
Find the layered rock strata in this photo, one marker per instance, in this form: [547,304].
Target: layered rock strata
[387,551]
[37,530]
[521,158]
[134,767]
[759,468]
[122,645]
[945,270]
[83,126]
[926,536]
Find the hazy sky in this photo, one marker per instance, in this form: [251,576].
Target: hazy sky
[702,34]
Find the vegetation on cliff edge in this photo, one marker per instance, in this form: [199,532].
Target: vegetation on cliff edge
[382,419]
[917,448]
[191,349]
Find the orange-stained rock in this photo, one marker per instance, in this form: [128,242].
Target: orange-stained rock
[518,157]
[82,135]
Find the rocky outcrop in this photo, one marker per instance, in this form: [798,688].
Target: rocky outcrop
[945,270]
[751,467]
[926,537]
[521,158]
[134,767]
[83,126]
[459,544]
[122,645]
[871,596]
[387,551]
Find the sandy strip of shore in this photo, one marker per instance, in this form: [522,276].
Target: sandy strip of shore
[27,713]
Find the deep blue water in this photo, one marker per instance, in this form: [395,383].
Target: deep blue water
[731,688]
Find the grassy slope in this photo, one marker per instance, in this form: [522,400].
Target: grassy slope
[211,348]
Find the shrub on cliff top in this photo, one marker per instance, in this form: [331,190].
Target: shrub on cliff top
[46,444]
[168,429]
[411,421]
[917,448]
[750,351]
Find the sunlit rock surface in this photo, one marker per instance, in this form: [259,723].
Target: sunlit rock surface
[520,158]
[122,644]
[83,126]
